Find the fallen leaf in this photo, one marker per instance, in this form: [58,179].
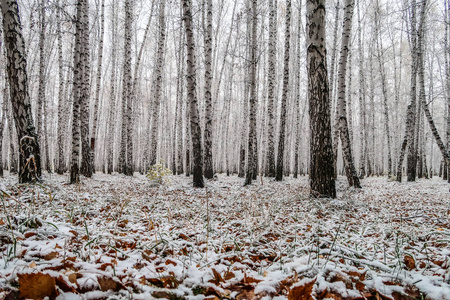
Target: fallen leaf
[37,286]
[107,283]
[302,292]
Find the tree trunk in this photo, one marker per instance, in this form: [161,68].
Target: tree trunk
[158,83]
[208,157]
[284,96]
[98,83]
[192,97]
[420,60]
[362,103]
[126,148]
[271,88]
[297,94]
[40,116]
[251,150]
[2,126]
[411,121]
[321,169]
[62,105]
[383,86]
[352,176]
[85,92]
[112,96]
[76,91]
[29,154]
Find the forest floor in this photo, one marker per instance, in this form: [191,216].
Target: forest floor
[116,237]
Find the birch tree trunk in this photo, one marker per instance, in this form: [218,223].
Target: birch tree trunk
[98,83]
[383,86]
[208,157]
[85,92]
[112,97]
[192,97]
[352,176]
[62,105]
[420,60]
[76,91]
[158,83]
[411,121]
[29,154]
[284,97]
[447,77]
[321,168]
[362,103]
[180,94]
[2,126]
[251,152]
[271,87]
[297,93]
[40,116]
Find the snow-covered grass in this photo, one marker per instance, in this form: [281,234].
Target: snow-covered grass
[118,237]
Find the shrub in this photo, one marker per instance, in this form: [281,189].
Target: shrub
[158,173]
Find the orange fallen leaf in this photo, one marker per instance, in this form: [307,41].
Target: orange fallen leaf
[37,286]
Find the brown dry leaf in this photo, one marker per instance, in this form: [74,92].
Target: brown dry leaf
[29,234]
[37,286]
[248,280]
[72,277]
[217,277]
[2,222]
[302,292]
[63,285]
[410,263]
[51,255]
[170,262]
[229,275]
[32,265]
[107,283]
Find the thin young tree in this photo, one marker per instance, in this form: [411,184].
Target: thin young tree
[350,170]
[126,148]
[208,156]
[29,152]
[158,82]
[271,86]
[321,168]
[251,152]
[98,83]
[62,105]
[85,91]
[284,96]
[192,97]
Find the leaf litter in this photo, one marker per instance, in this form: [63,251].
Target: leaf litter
[117,237]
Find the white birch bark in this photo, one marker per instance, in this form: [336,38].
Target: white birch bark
[321,168]
[29,154]
[350,170]
[158,83]
[192,97]
[284,97]
[251,150]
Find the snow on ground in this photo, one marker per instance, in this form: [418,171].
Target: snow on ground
[116,237]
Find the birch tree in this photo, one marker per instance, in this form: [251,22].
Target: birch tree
[98,83]
[29,152]
[62,105]
[192,97]
[251,149]
[321,168]
[271,87]
[284,97]
[352,176]
[208,156]
[158,82]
